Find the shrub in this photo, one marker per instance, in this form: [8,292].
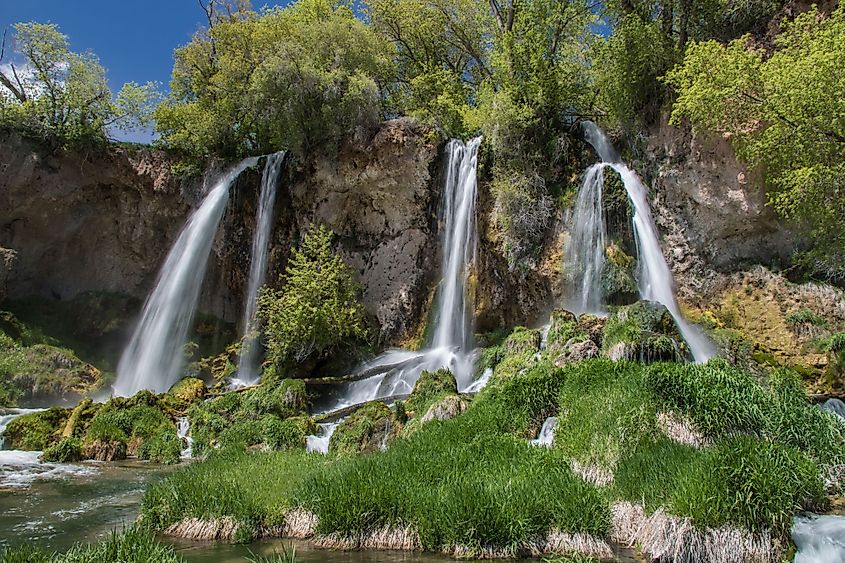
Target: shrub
[66,450]
[162,447]
[317,308]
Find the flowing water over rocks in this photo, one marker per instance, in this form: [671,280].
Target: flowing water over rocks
[154,357]
[395,372]
[654,277]
[248,363]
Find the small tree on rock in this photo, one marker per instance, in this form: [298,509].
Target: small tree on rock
[317,307]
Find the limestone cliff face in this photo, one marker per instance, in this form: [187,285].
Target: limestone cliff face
[710,210]
[105,222]
[101,222]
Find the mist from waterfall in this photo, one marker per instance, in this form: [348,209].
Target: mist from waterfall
[155,355]
[653,277]
[395,372]
[248,364]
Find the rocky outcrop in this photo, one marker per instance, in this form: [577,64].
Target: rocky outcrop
[105,221]
[8,258]
[710,210]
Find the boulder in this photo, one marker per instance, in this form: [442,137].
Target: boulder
[446,408]
[576,352]
[371,428]
[100,450]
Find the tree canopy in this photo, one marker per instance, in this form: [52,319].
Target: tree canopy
[63,96]
[784,112]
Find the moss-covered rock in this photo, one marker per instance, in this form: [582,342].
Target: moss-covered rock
[36,431]
[66,450]
[164,446]
[287,434]
[523,340]
[617,279]
[644,331]
[190,390]
[430,387]
[446,408]
[104,450]
[80,418]
[285,399]
[368,429]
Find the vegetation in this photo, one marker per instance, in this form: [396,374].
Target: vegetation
[783,112]
[62,97]
[65,450]
[317,308]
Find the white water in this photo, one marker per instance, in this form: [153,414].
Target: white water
[819,539]
[248,363]
[654,277]
[836,406]
[19,469]
[396,371]
[547,433]
[154,357]
[320,443]
[481,382]
[183,426]
[583,255]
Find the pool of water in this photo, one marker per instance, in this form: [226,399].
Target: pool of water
[83,503]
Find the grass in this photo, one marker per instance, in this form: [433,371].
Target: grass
[474,482]
[133,545]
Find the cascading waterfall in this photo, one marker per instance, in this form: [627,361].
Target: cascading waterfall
[547,433]
[395,372]
[248,363]
[154,357]
[183,426]
[583,255]
[654,277]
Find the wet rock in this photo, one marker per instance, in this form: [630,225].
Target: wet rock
[523,341]
[576,352]
[100,450]
[446,408]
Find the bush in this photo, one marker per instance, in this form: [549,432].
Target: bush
[66,450]
[164,446]
[317,308]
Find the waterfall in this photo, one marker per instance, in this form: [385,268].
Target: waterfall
[183,426]
[248,363]
[320,444]
[583,254]
[155,355]
[547,433]
[654,277]
[395,372]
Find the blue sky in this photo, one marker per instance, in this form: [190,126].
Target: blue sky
[133,39]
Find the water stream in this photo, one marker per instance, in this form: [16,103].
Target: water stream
[653,277]
[395,371]
[155,355]
[547,433]
[248,363]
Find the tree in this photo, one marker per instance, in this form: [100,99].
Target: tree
[287,78]
[63,96]
[784,113]
[316,309]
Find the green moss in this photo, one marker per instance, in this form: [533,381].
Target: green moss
[284,399]
[189,390]
[644,331]
[36,431]
[290,434]
[564,329]
[66,450]
[164,446]
[617,279]
[429,388]
[510,367]
[366,430]
[522,341]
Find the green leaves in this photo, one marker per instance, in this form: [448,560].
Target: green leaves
[317,308]
[785,114]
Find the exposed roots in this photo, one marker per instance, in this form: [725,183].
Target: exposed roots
[592,473]
[671,538]
[300,524]
[386,537]
[556,542]
[681,430]
[218,529]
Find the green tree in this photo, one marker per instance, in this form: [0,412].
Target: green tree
[293,78]
[784,113]
[316,309]
[63,96]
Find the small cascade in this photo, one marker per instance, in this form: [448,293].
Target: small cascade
[836,406]
[183,426]
[395,372]
[248,363]
[819,539]
[654,277]
[547,433]
[320,443]
[7,416]
[481,382]
[155,355]
[583,254]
